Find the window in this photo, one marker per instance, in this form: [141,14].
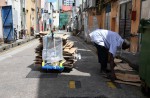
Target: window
[107,20]
[122,11]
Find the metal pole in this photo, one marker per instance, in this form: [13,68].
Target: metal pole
[140,35]
[36,18]
[59,15]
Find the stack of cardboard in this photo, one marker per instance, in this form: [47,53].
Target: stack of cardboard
[38,50]
[125,74]
[69,51]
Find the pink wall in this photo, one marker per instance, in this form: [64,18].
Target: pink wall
[2,2]
[66,8]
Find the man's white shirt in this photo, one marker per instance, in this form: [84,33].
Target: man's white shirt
[109,39]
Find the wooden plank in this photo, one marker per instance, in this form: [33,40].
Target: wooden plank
[65,36]
[38,56]
[127,77]
[44,33]
[66,50]
[72,50]
[68,65]
[117,60]
[128,83]
[38,63]
[65,44]
[70,45]
[38,59]
[123,67]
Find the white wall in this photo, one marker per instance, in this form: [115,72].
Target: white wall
[79,2]
[16,13]
[42,3]
[145,12]
[56,19]
[1,29]
[9,2]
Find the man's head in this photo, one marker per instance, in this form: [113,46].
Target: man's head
[126,44]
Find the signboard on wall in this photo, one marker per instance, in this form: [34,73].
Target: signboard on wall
[123,1]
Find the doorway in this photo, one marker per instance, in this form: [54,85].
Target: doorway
[125,20]
[113,24]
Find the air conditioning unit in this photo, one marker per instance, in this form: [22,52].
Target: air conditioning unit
[92,3]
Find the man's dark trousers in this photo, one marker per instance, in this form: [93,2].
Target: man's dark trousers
[102,56]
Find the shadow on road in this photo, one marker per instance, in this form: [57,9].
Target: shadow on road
[85,74]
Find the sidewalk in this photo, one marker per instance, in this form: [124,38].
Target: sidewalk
[5,46]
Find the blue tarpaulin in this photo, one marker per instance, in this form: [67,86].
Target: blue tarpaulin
[51,67]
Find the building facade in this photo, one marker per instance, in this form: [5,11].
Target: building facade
[38,15]
[16,13]
[3,3]
[30,16]
[68,2]
[121,16]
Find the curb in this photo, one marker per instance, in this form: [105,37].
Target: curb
[5,47]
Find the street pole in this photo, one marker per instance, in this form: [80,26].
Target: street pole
[59,15]
[36,18]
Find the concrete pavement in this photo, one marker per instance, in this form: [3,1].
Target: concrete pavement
[17,64]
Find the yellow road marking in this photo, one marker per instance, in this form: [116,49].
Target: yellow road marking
[72,84]
[111,85]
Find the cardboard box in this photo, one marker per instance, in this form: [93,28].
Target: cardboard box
[125,73]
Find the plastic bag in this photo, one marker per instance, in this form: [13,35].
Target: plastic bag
[52,49]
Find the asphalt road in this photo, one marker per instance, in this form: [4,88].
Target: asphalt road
[20,79]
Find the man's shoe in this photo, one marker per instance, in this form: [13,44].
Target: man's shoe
[105,71]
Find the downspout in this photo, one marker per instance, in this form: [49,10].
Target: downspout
[36,16]
[140,35]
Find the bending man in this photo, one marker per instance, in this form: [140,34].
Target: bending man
[107,43]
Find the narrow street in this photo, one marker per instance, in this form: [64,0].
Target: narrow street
[20,79]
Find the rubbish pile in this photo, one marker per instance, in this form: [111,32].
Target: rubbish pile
[38,50]
[55,53]
[125,74]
